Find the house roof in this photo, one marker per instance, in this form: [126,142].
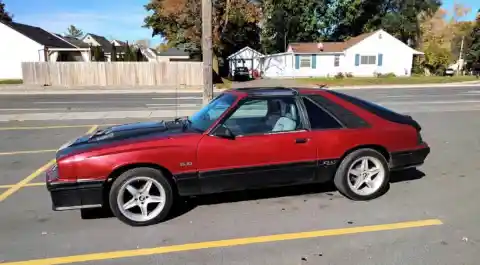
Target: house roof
[173,52]
[106,44]
[242,50]
[74,41]
[122,43]
[329,46]
[39,35]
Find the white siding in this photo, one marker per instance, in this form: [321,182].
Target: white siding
[15,49]
[397,57]
[246,57]
[277,65]
[324,66]
[89,40]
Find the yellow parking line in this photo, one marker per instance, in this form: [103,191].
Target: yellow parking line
[224,243]
[25,181]
[51,127]
[35,174]
[27,152]
[35,184]
[92,129]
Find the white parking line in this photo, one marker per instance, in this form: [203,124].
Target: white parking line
[427,102]
[173,105]
[471,92]
[179,98]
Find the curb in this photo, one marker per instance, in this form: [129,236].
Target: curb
[67,91]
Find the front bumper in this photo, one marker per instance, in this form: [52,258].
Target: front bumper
[408,159]
[76,195]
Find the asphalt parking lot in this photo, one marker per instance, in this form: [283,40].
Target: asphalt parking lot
[429,215]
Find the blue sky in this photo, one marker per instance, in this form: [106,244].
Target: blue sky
[119,19]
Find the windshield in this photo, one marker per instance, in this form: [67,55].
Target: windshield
[205,117]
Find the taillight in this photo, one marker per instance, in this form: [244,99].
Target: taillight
[419,137]
[52,173]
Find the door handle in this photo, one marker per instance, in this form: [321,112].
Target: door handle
[301,140]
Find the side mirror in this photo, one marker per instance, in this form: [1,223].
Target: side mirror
[224,132]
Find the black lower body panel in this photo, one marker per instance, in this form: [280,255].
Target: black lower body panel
[408,159]
[78,195]
[247,178]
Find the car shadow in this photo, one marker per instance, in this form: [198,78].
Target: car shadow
[185,205]
[328,189]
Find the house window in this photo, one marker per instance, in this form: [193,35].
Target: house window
[336,62]
[305,61]
[368,59]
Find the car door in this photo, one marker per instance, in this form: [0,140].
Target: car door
[263,152]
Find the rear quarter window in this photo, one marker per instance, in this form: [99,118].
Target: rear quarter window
[348,118]
[371,107]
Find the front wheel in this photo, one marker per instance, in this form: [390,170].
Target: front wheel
[141,196]
[363,175]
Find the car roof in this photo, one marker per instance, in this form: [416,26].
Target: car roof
[274,91]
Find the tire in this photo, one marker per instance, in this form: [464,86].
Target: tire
[137,178]
[376,187]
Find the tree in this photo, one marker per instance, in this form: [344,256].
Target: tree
[441,37]
[113,54]
[235,24]
[143,43]
[162,47]
[130,54]
[4,15]
[74,32]
[473,51]
[98,54]
[286,21]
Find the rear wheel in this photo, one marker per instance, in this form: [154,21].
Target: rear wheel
[363,175]
[141,196]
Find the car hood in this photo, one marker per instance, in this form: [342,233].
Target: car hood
[124,132]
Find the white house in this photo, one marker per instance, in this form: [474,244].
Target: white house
[245,57]
[25,43]
[362,56]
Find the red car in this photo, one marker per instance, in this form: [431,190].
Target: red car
[243,139]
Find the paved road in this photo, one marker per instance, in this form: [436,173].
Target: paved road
[445,188]
[119,102]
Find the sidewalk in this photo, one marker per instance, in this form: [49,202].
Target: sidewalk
[100,115]
[39,90]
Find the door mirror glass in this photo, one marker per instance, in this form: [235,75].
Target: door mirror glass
[224,132]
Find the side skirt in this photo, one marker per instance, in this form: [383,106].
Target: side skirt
[246,178]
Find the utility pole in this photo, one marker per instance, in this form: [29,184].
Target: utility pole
[207,51]
[460,56]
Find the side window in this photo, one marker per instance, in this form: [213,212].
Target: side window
[319,119]
[252,108]
[260,116]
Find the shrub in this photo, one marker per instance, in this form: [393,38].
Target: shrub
[385,75]
[339,75]
[349,75]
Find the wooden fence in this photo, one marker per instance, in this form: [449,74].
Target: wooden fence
[188,74]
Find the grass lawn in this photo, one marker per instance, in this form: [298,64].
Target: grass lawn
[386,80]
[227,84]
[10,81]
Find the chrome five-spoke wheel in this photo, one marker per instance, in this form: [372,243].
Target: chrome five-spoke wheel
[363,175]
[141,196]
[366,175]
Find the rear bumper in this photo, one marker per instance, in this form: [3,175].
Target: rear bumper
[409,158]
[77,195]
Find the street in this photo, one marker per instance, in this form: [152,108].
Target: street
[440,197]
